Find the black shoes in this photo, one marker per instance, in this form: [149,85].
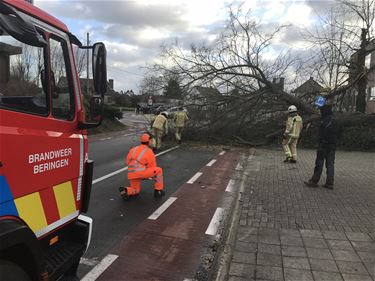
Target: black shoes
[310,183]
[124,193]
[329,186]
[159,193]
[290,160]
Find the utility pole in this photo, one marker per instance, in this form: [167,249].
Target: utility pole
[87,63]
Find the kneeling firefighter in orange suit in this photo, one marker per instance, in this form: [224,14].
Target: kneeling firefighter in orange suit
[142,165]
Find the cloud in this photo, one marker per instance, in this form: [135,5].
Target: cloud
[130,13]
[134,30]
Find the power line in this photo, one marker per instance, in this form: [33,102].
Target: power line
[122,70]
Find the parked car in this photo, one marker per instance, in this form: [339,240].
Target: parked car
[159,109]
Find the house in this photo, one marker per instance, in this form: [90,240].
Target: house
[308,90]
[201,96]
[6,51]
[87,87]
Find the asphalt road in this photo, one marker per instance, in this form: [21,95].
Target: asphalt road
[115,218]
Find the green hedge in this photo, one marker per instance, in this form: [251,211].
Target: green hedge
[112,112]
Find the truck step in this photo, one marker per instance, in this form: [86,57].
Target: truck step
[62,257]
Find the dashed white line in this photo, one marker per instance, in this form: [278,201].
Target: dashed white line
[215,222]
[194,178]
[222,153]
[230,186]
[103,139]
[125,168]
[162,208]
[211,162]
[100,268]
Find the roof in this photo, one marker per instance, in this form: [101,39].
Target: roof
[310,86]
[36,12]
[206,91]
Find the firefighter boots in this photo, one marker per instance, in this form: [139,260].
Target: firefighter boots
[159,193]
[124,193]
[287,160]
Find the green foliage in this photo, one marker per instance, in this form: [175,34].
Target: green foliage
[112,112]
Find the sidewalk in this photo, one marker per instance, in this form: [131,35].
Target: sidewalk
[286,231]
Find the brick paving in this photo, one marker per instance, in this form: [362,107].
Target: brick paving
[287,231]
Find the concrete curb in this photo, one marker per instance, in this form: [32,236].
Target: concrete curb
[225,256]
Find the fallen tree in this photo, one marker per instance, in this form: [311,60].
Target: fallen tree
[251,108]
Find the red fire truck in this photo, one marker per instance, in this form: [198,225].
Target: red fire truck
[45,173]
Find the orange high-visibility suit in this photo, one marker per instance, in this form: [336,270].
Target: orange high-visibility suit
[141,163]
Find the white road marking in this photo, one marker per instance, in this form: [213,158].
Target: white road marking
[126,135]
[239,167]
[165,151]
[105,139]
[211,162]
[222,153]
[215,222]
[125,168]
[194,178]
[162,208]
[99,268]
[90,262]
[230,186]
[109,175]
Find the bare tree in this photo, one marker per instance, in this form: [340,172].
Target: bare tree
[237,62]
[340,45]
[151,85]
[80,56]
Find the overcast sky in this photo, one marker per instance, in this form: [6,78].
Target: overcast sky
[134,30]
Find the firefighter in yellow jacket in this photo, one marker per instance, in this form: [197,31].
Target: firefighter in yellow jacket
[160,128]
[292,132]
[180,119]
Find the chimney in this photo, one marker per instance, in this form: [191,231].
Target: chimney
[279,83]
[110,82]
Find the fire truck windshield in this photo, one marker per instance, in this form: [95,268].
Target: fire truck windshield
[21,66]
[22,59]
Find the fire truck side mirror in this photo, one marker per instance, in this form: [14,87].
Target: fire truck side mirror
[99,68]
[95,113]
[96,108]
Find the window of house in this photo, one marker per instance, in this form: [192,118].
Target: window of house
[61,92]
[21,81]
[368,61]
[372,93]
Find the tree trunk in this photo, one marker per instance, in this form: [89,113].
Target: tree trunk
[362,83]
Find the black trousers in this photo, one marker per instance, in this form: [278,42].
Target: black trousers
[324,154]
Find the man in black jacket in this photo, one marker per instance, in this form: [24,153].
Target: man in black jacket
[329,133]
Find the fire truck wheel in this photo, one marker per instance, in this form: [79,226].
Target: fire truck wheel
[12,272]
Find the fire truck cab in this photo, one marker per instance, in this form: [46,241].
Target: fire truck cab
[45,173]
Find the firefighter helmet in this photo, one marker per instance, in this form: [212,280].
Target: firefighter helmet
[292,109]
[165,114]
